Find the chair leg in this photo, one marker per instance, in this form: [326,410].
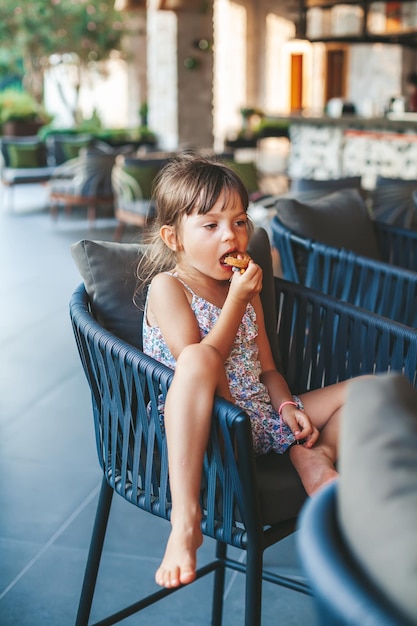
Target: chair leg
[119,231]
[91,215]
[53,211]
[218,587]
[253,603]
[94,554]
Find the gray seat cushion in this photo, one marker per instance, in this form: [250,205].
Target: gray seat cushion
[377,498]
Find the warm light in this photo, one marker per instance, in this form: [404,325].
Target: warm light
[129,5]
[182,5]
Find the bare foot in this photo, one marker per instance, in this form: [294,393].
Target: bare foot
[314,467]
[314,483]
[178,566]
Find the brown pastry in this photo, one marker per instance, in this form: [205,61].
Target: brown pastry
[238,263]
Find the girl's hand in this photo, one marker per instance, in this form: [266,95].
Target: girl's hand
[244,287]
[302,427]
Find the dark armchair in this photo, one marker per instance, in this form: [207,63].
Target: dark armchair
[23,161]
[332,244]
[83,181]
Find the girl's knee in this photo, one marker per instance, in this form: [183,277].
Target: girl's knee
[199,357]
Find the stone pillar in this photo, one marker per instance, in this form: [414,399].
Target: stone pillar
[195,78]
[135,45]
[180,77]
[162,76]
[256,51]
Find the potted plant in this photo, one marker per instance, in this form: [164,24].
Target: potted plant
[20,114]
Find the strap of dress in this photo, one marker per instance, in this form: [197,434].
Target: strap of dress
[175,275]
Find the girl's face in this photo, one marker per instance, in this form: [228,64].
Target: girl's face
[204,240]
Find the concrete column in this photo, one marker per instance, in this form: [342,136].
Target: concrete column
[195,77]
[135,45]
[162,76]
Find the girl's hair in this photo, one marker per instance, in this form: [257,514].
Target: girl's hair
[186,183]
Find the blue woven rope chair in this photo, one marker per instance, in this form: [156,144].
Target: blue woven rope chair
[378,286]
[398,246]
[344,593]
[249,503]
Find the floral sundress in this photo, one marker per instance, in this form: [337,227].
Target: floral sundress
[243,370]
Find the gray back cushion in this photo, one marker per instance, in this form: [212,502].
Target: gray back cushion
[108,271]
[377,499]
[329,185]
[339,219]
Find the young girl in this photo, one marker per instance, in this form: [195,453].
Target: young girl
[206,321]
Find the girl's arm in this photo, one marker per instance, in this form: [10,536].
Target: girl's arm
[278,389]
[169,308]
[243,289]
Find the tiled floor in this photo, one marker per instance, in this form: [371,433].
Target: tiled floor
[48,468]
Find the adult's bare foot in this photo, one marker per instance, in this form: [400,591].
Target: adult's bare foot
[178,567]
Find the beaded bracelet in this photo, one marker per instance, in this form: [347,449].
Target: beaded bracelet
[284,404]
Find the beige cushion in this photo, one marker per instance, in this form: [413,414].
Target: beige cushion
[377,499]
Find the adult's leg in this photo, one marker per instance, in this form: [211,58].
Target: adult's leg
[199,375]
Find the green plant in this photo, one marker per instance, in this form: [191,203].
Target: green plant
[19,105]
[90,125]
[272,127]
[36,37]
[247,112]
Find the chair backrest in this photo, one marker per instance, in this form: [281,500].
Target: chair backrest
[23,152]
[63,147]
[344,594]
[321,187]
[385,289]
[248,173]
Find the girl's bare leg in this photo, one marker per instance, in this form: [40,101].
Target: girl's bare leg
[316,465]
[199,375]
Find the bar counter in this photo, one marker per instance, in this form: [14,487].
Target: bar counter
[327,147]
